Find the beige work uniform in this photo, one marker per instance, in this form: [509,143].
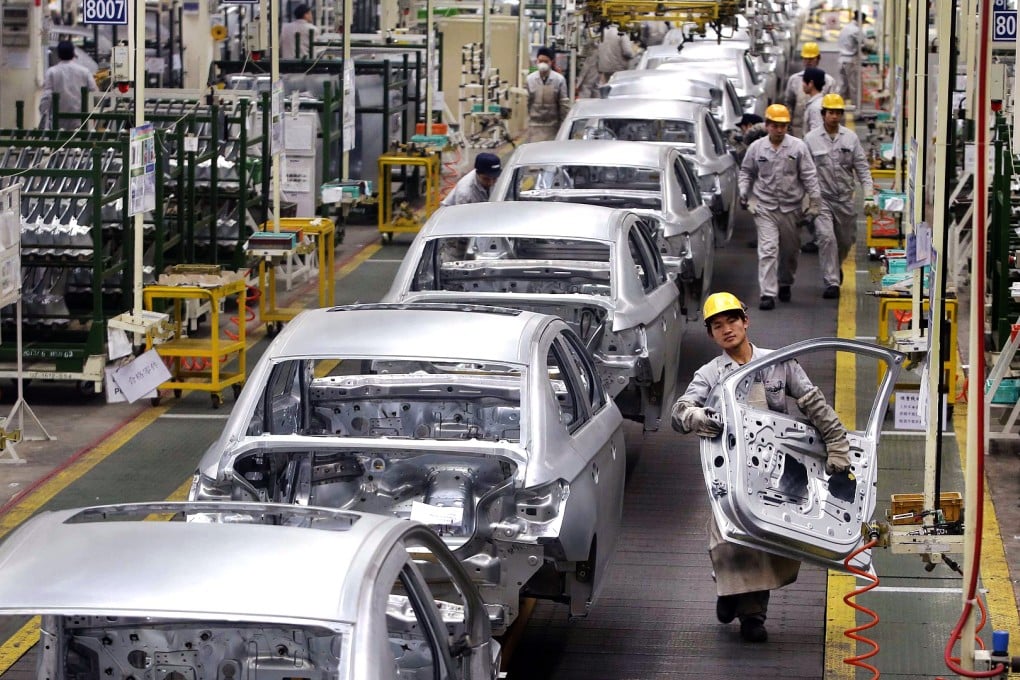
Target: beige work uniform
[840,159]
[796,100]
[778,179]
[740,570]
[548,103]
[614,53]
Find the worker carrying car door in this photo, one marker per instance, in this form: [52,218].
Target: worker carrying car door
[839,158]
[745,577]
[775,176]
[548,100]
[475,186]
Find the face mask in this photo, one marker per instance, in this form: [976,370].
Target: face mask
[543,67]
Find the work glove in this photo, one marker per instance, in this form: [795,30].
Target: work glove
[743,202]
[813,210]
[700,420]
[870,208]
[821,415]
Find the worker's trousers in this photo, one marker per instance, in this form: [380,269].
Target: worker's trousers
[542,133]
[778,248]
[849,77]
[836,231]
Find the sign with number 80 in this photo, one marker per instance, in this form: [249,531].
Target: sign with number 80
[105,12]
[1004,25]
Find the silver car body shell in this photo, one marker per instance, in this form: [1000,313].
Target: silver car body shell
[546,453]
[72,565]
[751,93]
[712,158]
[709,50]
[766,473]
[686,85]
[655,314]
[687,232]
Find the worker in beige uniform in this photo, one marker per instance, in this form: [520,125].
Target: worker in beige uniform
[839,159]
[614,53]
[849,42]
[795,99]
[814,82]
[776,175]
[745,577]
[297,36]
[548,101]
[67,78]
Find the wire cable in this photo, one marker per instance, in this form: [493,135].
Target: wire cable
[860,660]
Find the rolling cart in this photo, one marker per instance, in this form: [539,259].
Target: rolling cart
[213,351]
[322,230]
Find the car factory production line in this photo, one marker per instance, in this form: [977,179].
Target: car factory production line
[656,616]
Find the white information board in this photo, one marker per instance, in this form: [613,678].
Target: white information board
[10,245]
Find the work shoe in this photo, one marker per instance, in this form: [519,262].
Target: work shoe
[767,302]
[809,247]
[725,608]
[752,629]
[784,294]
[831,293]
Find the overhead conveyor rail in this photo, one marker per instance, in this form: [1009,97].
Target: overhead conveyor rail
[628,13]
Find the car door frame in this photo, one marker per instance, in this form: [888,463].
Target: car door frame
[600,432]
[728,465]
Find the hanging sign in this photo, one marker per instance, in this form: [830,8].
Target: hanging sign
[1003,21]
[142,171]
[107,12]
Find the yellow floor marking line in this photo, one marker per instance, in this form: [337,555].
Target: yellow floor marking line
[838,616]
[19,643]
[26,637]
[1002,605]
[36,498]
[23,640]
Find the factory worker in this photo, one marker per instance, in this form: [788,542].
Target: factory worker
[475,186]
[66,79]
[777,173]
[794,98]
[614,52]
[548,101]
[296,36]
[813,85]
[849,42]
[745,576]
[839,159]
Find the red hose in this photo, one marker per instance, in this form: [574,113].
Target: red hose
[980,240]
[859,660]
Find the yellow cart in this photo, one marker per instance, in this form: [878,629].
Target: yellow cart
[213,352]
[405,219]
[323,232]
[896,308]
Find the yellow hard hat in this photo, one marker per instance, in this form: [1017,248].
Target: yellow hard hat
[833,101]
[777,113]
[810,51]
[717,303]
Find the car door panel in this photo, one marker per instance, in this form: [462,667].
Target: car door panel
[766,473]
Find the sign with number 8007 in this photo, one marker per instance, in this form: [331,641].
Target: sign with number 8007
[104,12]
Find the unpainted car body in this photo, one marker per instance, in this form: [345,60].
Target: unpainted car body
[740,72]
[714,90]
[766,472]
[122,597]
[655,181]
[596,268]
[489,425]
[755,76]
[687,126]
